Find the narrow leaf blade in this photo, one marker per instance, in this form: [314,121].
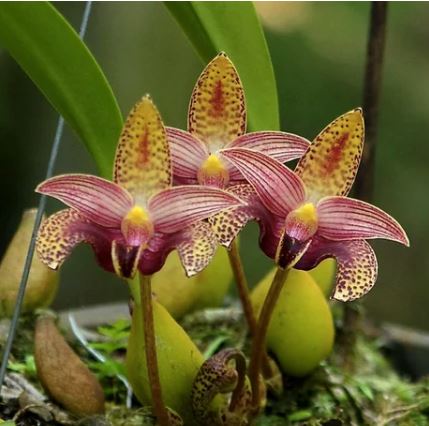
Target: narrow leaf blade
[233,27]
[50,51]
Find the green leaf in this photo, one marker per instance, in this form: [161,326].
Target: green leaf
[27,367]
[50,52]
[233,27]
[300,415]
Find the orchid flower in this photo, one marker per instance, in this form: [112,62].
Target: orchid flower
[217,121]
[136,220]
[305,216]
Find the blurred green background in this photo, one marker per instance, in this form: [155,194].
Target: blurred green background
[318,51]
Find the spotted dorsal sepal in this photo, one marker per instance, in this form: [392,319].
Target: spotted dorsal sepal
[217,113]
[330,164]
[142,162]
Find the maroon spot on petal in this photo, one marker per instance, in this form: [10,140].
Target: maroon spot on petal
[217,100]
[143,153]
[336,154]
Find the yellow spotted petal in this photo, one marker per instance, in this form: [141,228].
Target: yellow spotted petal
[356,265]
[61,232]
[217,112]
[197,248]
[330,165]
[228,223]
[142,162]
[357,271]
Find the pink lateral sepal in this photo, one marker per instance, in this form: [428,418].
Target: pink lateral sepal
[281,146]
[187,153]
[176,208]
[279,189]
[99,200]
[343,218]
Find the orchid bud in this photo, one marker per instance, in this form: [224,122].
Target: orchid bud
[42,282]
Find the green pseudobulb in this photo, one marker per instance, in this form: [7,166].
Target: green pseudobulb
[42,282]
[324,275]
[180,294]
[301,331]
[178,359]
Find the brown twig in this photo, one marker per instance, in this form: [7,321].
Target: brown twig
[364,184]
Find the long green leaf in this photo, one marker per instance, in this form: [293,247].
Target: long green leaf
[233,27]
[50,52]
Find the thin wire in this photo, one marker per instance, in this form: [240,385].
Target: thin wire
[100,357]
[40,210]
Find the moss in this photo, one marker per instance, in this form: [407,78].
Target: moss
[373,393]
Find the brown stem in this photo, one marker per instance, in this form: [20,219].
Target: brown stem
[246,303]
[364,185]
[258,344]
[159,409]
[242,286]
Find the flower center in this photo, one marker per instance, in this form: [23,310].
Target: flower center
[300,226]
[302,222]
[213,172]
[136,226]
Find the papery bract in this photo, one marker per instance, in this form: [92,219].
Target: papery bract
[305,216]
[136,220]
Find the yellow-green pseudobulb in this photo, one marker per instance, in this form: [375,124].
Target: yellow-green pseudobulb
[178,359]
[180,295]
[324,275]
[301,331]
[42,282]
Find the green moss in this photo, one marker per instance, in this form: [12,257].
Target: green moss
[373,393]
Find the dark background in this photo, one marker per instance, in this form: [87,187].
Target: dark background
[318,51]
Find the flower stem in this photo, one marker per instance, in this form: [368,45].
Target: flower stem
[242,287]
[258,344]
[159,409]
[244,295]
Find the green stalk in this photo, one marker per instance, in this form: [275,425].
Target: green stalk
[242,287]
[142,293]
[258,343]
[246,303]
